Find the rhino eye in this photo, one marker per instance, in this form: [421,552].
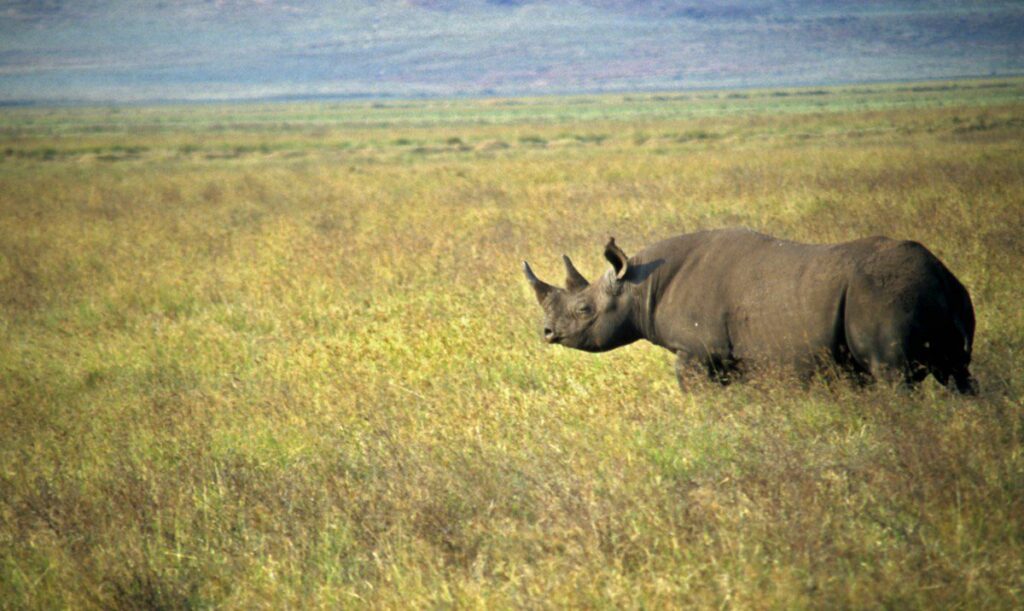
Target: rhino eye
[584,309]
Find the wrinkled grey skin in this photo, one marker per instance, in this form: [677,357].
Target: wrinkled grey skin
[731,300]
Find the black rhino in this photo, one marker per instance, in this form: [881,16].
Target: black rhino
[726,301]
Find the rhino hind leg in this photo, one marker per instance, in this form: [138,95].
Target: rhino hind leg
[896,372]
[960,380]
[966,384]
[948,357]
[900,355]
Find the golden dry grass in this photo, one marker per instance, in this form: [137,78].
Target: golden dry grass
[299,367]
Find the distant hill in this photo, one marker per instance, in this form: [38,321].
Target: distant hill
[88,50]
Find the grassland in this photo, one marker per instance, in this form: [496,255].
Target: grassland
[283,356]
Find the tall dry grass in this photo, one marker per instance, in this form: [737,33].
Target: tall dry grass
[294,375]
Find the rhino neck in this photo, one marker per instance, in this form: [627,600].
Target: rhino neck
[654,274]
[645,287]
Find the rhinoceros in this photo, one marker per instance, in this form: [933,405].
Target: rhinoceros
[730,301]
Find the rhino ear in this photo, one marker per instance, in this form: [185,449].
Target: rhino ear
[540,288]
[618,259]
[574,281]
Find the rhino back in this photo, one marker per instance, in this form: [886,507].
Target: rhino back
[742,294]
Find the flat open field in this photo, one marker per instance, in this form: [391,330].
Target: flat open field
[284,356]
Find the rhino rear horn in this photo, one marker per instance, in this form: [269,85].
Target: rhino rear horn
[574,281]
[618,259]
[540,288]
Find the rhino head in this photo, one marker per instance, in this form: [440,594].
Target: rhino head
[593,317]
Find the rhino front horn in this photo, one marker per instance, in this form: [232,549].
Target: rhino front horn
[540,288]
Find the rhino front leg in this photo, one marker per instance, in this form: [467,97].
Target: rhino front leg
[722,370]
[690,368]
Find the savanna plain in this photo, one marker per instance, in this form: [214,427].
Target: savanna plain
[283,355]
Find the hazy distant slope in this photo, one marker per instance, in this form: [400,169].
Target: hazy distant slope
[193,49]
